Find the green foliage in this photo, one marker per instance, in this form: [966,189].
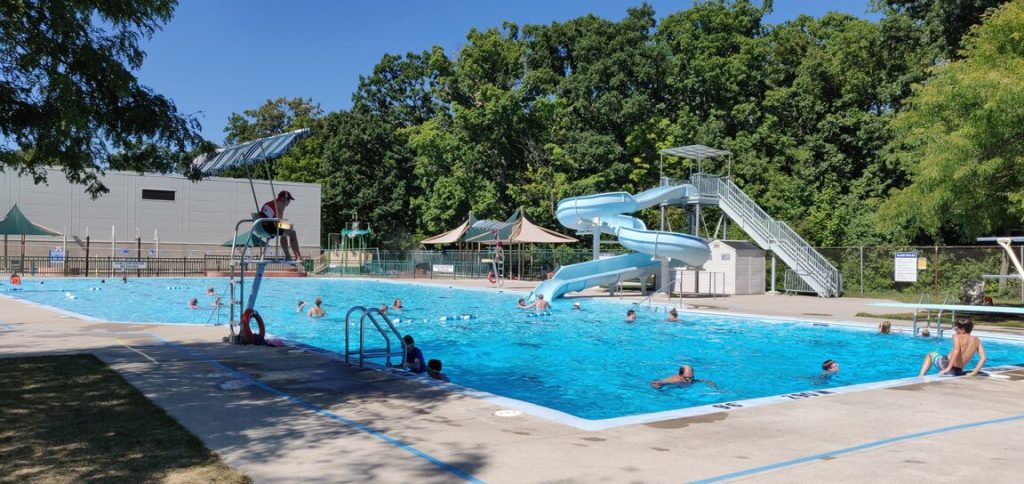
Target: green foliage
[960,141]
[68,96]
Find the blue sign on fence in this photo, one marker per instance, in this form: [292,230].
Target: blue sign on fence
[56,256]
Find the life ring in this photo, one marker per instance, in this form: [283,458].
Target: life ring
[246,333]
[491,278]
[15,280]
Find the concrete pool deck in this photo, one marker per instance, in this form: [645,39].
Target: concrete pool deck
[284,414]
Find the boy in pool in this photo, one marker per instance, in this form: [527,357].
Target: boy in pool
[830,366]
[302,304]
[316,311]
[434,370]
[413,356]
[684,377]
[673,315]
[630,316]
[193,303]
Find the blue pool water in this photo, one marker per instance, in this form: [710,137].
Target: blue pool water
[588,363]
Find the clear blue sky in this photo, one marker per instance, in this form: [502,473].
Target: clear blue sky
[217,57]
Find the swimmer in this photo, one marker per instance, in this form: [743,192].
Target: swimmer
[925,333]
[576,306]
[673,315]
[193,303]
[124,279]
[630,316]
[434,370]
[885,327]
[103,281]
[384,309]
[397,304]
[684,377]
[316,311]
[830,366]
[302,304]
[210,292]
[522,304]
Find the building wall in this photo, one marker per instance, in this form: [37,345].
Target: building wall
[203,213]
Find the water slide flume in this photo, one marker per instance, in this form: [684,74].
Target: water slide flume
[606,212]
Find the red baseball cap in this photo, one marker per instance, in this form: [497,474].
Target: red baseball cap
[285,194]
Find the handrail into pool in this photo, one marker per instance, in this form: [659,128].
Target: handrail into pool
[363,353]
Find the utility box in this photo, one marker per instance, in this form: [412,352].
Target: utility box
[741,262]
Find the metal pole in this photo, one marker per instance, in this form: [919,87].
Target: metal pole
[862,269]
[773,271]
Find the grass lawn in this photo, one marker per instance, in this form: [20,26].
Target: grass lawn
[73,419]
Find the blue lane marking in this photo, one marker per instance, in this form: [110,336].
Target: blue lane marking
[327,413]
[856,448]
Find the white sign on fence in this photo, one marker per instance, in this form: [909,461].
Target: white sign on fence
[905,267]
[444,268]
[129,264]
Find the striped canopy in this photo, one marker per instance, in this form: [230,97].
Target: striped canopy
[249,152]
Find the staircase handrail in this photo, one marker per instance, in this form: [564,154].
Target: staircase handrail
[369,313]
[779,235]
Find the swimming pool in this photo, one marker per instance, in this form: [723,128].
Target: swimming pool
[587,363]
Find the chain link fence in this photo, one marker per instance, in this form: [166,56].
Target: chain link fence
[942,271]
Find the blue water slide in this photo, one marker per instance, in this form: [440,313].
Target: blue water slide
[606,212]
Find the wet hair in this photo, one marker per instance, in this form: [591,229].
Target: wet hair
[631,313]
[673,312]
[408,339]
[925,333]
[193,302]
[885,327]
[434,365]
[827,364]
[965,324]
[318,301]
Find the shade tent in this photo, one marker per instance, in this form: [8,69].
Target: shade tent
[16,223]
[520,230]
[451,236]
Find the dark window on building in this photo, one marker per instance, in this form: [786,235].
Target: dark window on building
[158,194]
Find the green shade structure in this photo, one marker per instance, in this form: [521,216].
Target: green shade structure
[16,223]
[243,238]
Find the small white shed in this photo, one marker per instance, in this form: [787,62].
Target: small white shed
[741,262]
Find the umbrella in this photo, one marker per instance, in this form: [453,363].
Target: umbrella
[244,238]
[16,223]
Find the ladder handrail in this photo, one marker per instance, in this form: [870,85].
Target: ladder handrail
[369,313]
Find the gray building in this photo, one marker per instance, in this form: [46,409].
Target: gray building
[170,213]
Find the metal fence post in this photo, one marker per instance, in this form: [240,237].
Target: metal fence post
[862,269]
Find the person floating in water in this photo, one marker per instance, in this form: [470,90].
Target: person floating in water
[684,377]
[397,304]
[302,304]
[413,356]
[830,366]
[193,303]
[434,370]
[576,306]
[522,304]
[317,311]
[630,316]
[124,279]
[673,315]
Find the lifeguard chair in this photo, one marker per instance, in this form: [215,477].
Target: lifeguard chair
[250,245]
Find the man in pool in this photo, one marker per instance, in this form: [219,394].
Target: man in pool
[540,304]
[830,366]
[316,311]
[434,370]
[965,346]
[631,316]
[413,356]
[683,378]
[673,315]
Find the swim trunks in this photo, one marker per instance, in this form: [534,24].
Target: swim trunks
[939,360]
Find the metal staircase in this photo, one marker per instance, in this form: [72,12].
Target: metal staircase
[771,234]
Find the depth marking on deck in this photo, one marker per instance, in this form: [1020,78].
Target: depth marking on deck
[857,448]
[455,471]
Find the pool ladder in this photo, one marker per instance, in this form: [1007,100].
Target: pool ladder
[386,330]
[926,298]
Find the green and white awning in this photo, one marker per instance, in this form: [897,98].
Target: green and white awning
[250,152]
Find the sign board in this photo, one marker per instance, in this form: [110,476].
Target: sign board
[129,264]
[444,268]
[905,267]
[125,251]
[922,263]
[56,256]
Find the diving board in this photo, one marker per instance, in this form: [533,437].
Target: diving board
[1005,243]
[964,308]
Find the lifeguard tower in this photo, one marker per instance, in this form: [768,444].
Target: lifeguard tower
[253,248]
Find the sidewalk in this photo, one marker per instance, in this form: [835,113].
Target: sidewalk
[287,415]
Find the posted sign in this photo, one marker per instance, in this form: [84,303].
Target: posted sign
[906,267]
[444,268]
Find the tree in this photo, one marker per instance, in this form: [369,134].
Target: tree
[960,140]
[273,117]
[945,22]
[68,96]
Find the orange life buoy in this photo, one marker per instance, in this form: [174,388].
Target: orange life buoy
[246,333]
[492,278]
[15,280]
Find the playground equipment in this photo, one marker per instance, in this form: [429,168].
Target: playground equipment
[348,251]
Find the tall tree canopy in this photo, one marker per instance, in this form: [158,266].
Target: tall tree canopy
[962,139]
[68,96]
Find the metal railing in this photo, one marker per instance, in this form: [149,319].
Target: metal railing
[772,234]
[386,352]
